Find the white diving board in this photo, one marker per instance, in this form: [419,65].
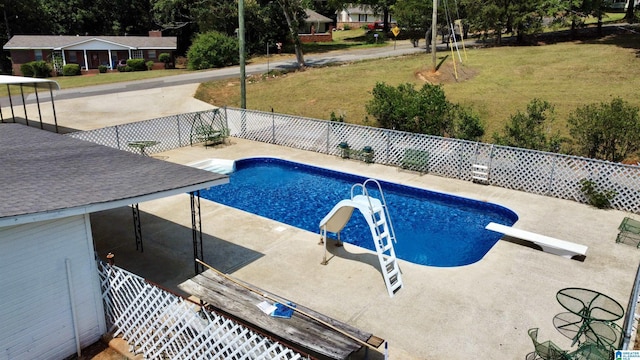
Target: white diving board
[548,244]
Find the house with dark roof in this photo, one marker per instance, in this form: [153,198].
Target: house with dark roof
[51,304]
[88,51]
[316,28]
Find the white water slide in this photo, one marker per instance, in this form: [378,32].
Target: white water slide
[376,214]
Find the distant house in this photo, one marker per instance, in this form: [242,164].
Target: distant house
[88,51]
[316,28]
[356,16]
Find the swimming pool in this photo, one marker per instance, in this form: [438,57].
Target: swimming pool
[431,228]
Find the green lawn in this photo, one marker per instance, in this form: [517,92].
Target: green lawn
[502,80]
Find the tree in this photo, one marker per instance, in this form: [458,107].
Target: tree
[522,17]
[530,130]
[291,9]
[413,16]
[629,15]
[212,49]
[606,131]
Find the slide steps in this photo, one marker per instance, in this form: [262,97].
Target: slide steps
[376,213]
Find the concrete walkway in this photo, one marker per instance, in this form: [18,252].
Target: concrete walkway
[479,311]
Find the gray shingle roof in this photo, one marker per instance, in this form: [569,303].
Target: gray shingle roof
[42,171]
[313,17]
[61,41]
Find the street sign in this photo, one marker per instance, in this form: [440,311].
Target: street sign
[395,31]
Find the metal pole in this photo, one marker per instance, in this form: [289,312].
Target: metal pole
[53,105]
[11,103]
[243,86]
[434,32]
[24,106]
[35,88]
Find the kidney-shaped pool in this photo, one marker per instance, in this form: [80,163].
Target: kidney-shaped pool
[432,228]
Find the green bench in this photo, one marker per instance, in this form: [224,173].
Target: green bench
[629,229]
[417,160]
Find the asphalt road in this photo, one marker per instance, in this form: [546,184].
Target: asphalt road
[402,48]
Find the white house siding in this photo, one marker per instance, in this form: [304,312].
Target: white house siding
[33,282]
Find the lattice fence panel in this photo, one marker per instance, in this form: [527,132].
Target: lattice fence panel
[161,325]
[520,169]
[300,133]
[532,169]
[251,125]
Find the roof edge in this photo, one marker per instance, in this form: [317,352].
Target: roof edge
[87,209]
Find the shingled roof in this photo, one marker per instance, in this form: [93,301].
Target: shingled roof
[56,42]
[46,175]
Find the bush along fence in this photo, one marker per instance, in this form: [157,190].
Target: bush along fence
[537,172]
[161,325]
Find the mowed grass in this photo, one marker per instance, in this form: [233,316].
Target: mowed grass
[495,82]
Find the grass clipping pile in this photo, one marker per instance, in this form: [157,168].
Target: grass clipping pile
[445,73]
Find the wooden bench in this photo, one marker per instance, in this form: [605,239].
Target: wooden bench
[629,229]
[417,160]
[299,331]
[548,244]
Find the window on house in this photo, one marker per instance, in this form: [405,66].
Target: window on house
[151,54]
[362,17]
[38,54]
[137,54]
[73,57]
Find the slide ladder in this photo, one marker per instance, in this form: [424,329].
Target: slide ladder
[376,213]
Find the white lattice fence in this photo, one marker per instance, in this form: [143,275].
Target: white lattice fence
[171,132]
[161,325]
[531,171]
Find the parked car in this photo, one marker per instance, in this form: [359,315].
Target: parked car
[376,25]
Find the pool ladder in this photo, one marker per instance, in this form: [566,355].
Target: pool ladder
[383,234]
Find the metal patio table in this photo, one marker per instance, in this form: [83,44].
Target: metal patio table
[594,310]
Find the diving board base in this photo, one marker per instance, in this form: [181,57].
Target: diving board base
[548,244]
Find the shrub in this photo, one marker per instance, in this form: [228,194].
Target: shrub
[149,64]
[166,59]
[370,37]
[596,197]
[404,108]
[136,65]
[608,131]
[347,27]
[121,68]
[212,49]
[27,69]
[530,130]
[41,69]
[71,70]
[102,69]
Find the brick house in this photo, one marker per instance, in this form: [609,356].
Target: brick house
[88,51]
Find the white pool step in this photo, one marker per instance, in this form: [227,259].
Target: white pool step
[219,166]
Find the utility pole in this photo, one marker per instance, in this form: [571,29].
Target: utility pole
[243,86]
[434,33]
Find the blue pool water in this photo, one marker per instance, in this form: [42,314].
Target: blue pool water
[431,228]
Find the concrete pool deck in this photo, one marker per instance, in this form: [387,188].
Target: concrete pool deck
[480,311]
